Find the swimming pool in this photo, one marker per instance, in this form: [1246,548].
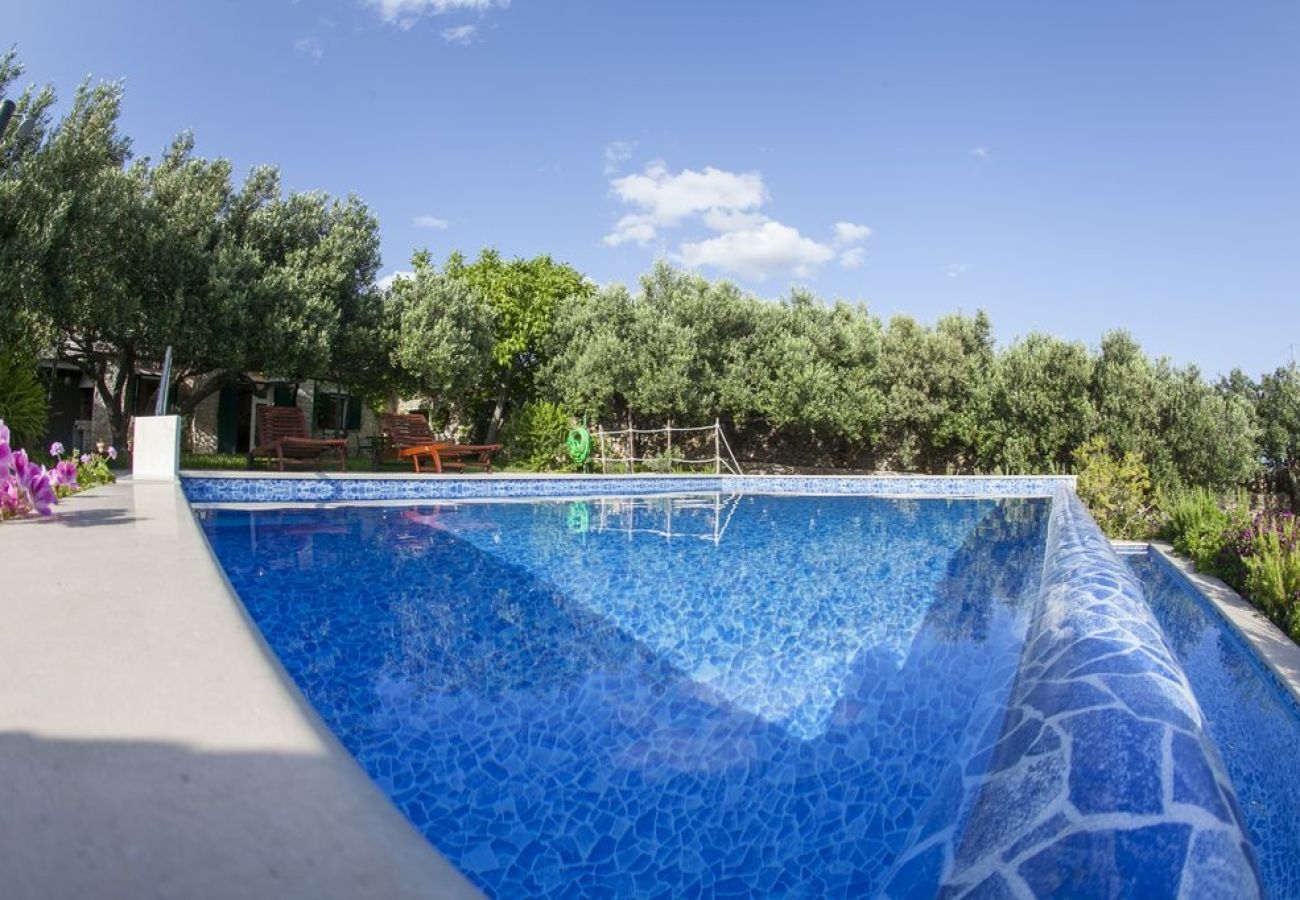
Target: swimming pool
[729,694]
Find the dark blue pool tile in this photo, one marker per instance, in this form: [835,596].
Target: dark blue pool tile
[1142,863]
[1121,772]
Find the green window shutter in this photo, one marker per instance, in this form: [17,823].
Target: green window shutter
[354,413]
[286,395]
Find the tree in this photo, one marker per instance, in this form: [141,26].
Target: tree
[1040,409]
[807,370]
[590,362]
[936,384]
[1279,418]
[523,294]
[1209,436]
[112,261]
[25,214]
[1126,394]
[446,335]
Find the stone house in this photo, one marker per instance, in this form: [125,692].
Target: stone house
[224,422]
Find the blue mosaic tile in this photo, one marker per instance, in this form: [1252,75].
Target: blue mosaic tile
[568,708]
[1093,813]
[317,489]
[828,695]
[1255,724]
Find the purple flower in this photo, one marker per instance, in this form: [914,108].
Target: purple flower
[56,449]
[112,452]
[85,459]
[5,453]
[34,484]
[8,494]
[65,474]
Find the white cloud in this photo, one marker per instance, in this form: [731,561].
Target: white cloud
[848,233]
[732,220]
[309,47]
[956,270]
[404,13]
[667,199]
[853,258]
[747,242]
[768,249]
[430,222]
[461,34]
[617,152]
[387,281]
[980,152]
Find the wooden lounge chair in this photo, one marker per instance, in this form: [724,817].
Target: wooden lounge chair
[411,438]
[282,434]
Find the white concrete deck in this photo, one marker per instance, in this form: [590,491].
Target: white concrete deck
[150,743]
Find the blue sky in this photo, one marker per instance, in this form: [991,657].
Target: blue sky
[1069,166]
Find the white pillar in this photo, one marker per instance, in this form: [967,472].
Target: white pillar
[156,448]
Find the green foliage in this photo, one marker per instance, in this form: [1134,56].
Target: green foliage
[94,472]
[534,437]
[936,389]
[1116,488]
[22,399]
[1198,526]
[112,259]
[1040,410]
[1278,412]
[444,335]
[1273,575]
[523,295]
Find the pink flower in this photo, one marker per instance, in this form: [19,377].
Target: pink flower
[8,494]
[65,474]
[56,449]
[112,452]
[34,484]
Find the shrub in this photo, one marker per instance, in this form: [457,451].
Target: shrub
[1197,526]
[1116,489]
[22,399]
[534,437]
[1273,572]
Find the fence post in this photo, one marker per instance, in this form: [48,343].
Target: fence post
[631,444]
[717,446]
[669,431]
[600,439]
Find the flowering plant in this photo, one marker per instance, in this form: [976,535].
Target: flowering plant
[92,468]
[25,487]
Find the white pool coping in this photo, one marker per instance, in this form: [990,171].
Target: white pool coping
[150,743]
[1277,651]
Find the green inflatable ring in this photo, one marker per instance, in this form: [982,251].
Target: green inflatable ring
[579,444]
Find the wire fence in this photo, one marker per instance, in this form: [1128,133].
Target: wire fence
[619,448]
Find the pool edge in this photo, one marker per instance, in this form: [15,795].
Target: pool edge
[158,744]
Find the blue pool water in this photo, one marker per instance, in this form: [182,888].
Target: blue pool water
[1254,722]
[653,696]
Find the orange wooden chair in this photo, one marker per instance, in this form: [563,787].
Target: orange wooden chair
[412,439]
[282,435]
